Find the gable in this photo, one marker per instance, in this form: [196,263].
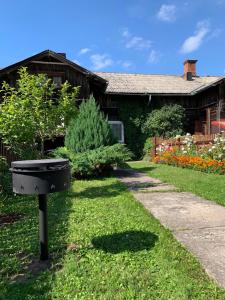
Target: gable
[57,65]
[49,56]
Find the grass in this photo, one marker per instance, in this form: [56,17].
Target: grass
[208,186]
[117,250]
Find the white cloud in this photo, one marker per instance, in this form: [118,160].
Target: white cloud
[84,51]
[138,42]
[126,64]
[126,33]
[167,13]
[193,42]
[135,42]
[100,61]
[153,56]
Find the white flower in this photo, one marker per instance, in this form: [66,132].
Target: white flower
[210,150]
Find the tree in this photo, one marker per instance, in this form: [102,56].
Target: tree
[34,110]
[89,130]
[167,121]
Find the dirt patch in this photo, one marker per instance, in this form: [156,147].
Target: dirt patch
[9,218]
[32,267]
[73,247]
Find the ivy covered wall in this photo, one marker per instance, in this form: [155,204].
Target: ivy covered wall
[132,111]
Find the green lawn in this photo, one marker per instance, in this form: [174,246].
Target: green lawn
[119,252]
[208,186]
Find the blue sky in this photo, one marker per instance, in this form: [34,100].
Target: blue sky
[137,36]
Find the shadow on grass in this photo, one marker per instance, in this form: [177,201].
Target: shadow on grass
[145,169]
[132,241]
[97,192]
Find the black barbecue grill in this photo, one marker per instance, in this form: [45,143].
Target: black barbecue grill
[41,177]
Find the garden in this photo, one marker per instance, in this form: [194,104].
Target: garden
[103,243]
[209,158]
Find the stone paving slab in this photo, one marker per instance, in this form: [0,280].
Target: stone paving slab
[137,181]
[208,245]
[183,211]
[197,223]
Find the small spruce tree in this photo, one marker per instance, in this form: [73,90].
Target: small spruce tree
[89,130]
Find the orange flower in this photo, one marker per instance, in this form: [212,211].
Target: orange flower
[194,162]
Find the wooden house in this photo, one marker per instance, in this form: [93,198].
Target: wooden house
[203,97]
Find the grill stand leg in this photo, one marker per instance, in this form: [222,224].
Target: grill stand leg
[43,227]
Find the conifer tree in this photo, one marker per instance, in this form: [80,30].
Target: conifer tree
[89,130]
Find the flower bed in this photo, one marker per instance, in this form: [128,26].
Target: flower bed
[210,158]
[191,162]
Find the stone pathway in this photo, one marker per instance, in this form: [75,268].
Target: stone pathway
[197,223]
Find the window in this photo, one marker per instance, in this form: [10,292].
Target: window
[57,80]
[118,130]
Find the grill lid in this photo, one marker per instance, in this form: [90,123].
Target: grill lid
[40,164]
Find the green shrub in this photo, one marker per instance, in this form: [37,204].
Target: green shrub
[62,152]
[90,130]
[5,177]
[29,115]
[148,146]
[97,162]
[167,121]
[133,115]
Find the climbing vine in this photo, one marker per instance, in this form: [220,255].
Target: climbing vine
[133,115]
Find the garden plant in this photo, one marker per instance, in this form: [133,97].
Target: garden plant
[90,145]
[207,158]
[34,110]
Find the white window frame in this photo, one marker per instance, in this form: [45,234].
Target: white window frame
[122,128]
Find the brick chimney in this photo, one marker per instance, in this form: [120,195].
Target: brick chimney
[189,69]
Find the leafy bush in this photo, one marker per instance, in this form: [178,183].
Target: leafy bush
[30,114]
[62,152]
[148,146]
[5,177]
[90,130]
[167,121]
[97,162]
[133,115]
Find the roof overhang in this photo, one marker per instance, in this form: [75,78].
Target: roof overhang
[147,94]
[61,60]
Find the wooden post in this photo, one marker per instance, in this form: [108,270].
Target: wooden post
[208,120]
[178,140]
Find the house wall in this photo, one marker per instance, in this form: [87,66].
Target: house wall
[201,109]
[112,105]
[211,108]
[74,77]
